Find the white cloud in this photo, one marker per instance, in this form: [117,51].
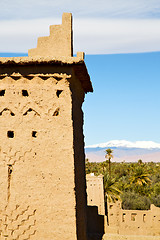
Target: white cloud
[32,9]
[94,36]
[102,36]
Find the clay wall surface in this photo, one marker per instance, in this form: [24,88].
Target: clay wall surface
[109,236]
[133,222]
[59,43]
[95,209]
[95,192]
[41,163]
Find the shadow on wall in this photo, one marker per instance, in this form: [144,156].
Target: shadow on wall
[95,223]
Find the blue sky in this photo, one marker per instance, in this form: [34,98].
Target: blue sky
[126,100]
[121,40]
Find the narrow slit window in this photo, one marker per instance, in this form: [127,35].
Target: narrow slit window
[25,93]
[2,92]
[34,134]
[10,134]
[123,217]
[144,217]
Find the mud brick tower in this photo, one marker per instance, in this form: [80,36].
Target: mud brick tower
[42,162]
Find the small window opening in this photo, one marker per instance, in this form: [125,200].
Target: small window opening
[2,92]
[10,134]
[133,216]
[56,113]
[34,134]
[25,93]
[123,217]
[144,217]
[59,92]
[10,169]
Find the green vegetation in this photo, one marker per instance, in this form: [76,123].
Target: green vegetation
[111,191]
[137,184]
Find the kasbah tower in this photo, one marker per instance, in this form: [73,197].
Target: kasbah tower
[42,166]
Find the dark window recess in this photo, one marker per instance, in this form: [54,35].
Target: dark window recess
[59,92]
[2,92]
[10,169]
[25,93]
[56,113]
[10,134]
[34,134]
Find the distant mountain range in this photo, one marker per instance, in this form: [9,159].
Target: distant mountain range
[125,151]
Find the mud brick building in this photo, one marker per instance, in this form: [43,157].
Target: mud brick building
[42,166]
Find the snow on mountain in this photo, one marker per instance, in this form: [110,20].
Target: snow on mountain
[125,151]
[127,144]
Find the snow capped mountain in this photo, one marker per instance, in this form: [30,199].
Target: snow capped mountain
[127,144]
[125,151]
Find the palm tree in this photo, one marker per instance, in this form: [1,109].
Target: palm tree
[140,162]
[108,157]
[112,193]
[140,177]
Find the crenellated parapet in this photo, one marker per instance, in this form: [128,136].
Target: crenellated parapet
[59,43]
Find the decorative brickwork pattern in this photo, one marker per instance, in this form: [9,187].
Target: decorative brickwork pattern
[17,223]
[10,156]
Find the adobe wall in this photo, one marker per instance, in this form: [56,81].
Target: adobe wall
[95,192]
[109,236]
[95,208]
[133,222]
[42,176]
[59,43]
[122,224]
